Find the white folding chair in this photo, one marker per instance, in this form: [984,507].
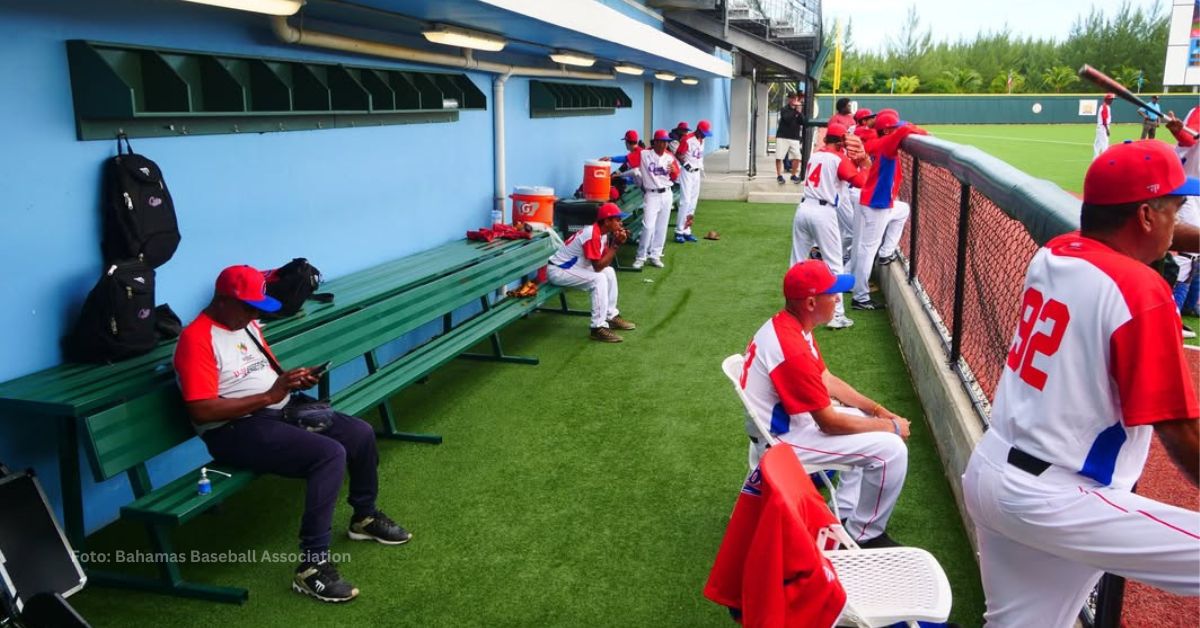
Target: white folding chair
[883,586]
[733,366]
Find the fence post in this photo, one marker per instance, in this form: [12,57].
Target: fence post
[913,221]
[1109,601]
[960,272]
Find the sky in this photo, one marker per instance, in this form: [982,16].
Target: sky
[874,20]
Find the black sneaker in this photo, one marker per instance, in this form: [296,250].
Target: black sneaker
[380,528]
[867,305]
[322,581]
[884,261]
[780,179]
[883,540]
[796,178]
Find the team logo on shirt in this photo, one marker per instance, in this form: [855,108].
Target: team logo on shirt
[753,485]
[241,346]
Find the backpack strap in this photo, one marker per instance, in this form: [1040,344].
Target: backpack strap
[128,146]
[267,354]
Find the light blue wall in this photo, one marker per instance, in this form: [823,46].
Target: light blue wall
[346,199]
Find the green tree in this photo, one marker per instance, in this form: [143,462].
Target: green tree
[1058,78]
[963,80]
[999,84]
[910,45]
[855,79]
[907,84]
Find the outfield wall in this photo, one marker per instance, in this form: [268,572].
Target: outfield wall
[1000,108]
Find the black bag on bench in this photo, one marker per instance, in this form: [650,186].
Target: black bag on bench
[118,319]
[292,284]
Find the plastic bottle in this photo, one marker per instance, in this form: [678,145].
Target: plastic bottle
[497,216]
[204,487]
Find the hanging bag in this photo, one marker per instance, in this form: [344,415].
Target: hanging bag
[138,213]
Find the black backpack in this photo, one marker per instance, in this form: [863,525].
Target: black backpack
[292,284]
[139,215]
[118,319]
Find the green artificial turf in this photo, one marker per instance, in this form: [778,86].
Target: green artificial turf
[1060,153]
[591,490]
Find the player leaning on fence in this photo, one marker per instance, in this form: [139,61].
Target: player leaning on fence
[1094,367]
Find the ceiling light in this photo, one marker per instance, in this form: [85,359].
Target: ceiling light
[689,80]
[463,38]
[567,57]
[663,75]
[625,68]
[270,7]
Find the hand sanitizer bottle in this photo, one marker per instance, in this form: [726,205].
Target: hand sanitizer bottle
[204,487]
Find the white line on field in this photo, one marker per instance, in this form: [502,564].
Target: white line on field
[1011,139]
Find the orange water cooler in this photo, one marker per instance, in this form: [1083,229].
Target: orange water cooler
[597,180]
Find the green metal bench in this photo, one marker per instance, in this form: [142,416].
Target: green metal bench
[124,436]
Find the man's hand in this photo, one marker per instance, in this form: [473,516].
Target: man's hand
[1174,125]
[605,159]
[620,236]
[295,379]
[903,424]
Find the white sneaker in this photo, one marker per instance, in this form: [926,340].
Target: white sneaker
[638,264]
[656,262]
[1188,333]
[840,322]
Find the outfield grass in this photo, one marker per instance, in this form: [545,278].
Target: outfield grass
[591,490]
[1058,152]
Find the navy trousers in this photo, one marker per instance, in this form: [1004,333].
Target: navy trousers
[269,445]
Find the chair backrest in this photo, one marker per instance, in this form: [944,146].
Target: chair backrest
[135,431]
[733,366]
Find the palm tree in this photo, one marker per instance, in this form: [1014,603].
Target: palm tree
[854,79]
[999,85]
[1058,78]
[907,84]
[963,80]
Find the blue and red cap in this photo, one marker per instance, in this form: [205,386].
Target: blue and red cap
[703,128]
[631,136]
[812,277]
[610,210]
[1132,172]
[661,135]
[248,285]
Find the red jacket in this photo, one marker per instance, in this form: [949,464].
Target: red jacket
[769,566]
[883,183]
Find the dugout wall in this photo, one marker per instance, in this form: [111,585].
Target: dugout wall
[1002,108]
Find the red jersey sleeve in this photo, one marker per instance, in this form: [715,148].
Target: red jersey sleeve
[1149,368]
[849,173]
[196,364]
[593,249]
[634,158]
[799,385]
[1183,138]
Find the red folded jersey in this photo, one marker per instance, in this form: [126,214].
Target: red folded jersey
[769,566]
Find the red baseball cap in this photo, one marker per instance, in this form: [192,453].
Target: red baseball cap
[1109,96]
[887,118]
[631,136]
[661,136]
[835,130]
[862,114]
[610,210]
[1131,172]
[704,126]
[683,126]
[812,277]
[248,285]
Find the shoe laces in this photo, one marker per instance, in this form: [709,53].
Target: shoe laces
[327,571]
[385,520]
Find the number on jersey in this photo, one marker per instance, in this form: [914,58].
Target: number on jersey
[750,351]
[1035,309]
[814,176]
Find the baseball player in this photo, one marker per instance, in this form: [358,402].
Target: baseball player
[860,133]
[691,157]
[1188,150]
[1103,119]
[879,216]
[830,173]
[785,378]
[657,170]
[1095,366]
[585,260]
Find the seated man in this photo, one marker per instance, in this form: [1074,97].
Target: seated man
[585,260]
[786,379]
[235,393]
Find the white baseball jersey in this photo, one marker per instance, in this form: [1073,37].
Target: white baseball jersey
[1190,155]
[829,170]
[782,377]
[1103,116]
[655,169]
[1096,360]
[581,248]
[691,152]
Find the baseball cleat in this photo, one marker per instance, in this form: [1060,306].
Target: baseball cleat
[886,259]
[840,322]
[689,237]
[679,239]
[322,581]
[1188,332]
[867,305]
[881,541]
[638,264]
[656,262]
[617,322]
[604,334]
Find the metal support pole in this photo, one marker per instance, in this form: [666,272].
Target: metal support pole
[754,105]
[913,220]
[960,272]
[1109,600]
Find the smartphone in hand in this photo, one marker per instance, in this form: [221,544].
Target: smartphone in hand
[321,369]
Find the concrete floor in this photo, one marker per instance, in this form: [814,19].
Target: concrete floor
[722,184]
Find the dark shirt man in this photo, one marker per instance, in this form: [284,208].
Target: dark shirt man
[788,136]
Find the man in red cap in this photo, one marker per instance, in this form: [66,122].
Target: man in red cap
[879,218]
[1103,132]
[691,157]
[236,393]
[785,378]
[657,171]
[1095,368]
[585,260]
[626,172]
[830,173]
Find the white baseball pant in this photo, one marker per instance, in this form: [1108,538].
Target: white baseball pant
[895,228]
[869,226]
[602,286]
[847,203]
[817,224]
[867,495]
[689,195]
[656,214]
[1101,143]
[1045,540]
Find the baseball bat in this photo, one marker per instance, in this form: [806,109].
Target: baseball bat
[1108,84]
